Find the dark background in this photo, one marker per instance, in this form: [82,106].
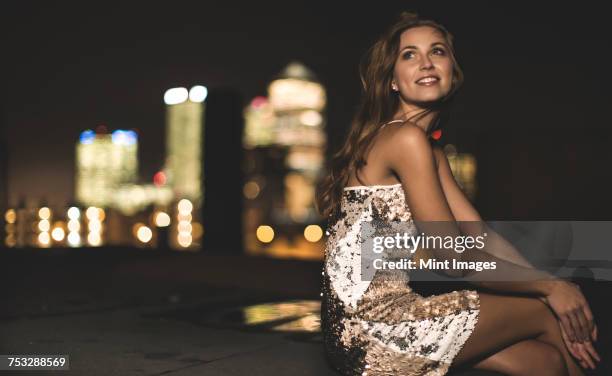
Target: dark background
[534,108]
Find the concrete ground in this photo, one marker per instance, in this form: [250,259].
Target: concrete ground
[142,312]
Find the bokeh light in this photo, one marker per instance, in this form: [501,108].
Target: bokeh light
[184,239]
[87,136]
[74,239]
[74,225]
[10,241]
[101,214]
[198,93]
[44,213]
[313,233]
[10,216]
[94,239]
[159,178]
[184,226]
[94,226]
[44,238]
[92,213]
[185,206]
[44,225]
[144,234]
[162,219]
[265,234]
[185,217]
[175,95]
[74,213]
[251,190]
[311,118]
[58,234]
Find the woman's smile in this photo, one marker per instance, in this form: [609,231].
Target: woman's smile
[428,81]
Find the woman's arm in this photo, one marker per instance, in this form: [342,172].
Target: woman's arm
[416,168]
[464,211]
[410,155]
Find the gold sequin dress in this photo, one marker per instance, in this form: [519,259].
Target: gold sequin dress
[381,326]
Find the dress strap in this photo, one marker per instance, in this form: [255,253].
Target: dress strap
[392,121]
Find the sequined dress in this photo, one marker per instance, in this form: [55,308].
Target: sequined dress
[382,326]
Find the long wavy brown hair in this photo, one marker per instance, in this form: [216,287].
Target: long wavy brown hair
[378,106]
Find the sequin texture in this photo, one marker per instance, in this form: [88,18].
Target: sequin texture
[382,326]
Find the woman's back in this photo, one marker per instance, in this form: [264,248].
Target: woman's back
[375,172]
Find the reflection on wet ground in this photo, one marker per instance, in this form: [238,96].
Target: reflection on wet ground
[299,319]
[300,315]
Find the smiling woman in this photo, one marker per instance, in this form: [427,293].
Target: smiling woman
[380,325]
[415,76]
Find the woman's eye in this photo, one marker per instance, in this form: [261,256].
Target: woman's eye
[407,55]
[439,51]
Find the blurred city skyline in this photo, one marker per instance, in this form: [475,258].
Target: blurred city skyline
[73,68]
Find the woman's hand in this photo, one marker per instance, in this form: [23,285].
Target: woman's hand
[570,306]
[583,352]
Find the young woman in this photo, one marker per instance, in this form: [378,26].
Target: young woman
[390,168]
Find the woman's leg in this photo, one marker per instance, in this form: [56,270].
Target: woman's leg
[553,337]
[524,358]
[507,320]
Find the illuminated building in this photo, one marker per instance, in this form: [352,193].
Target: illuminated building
[284,142]
[104,163]
[184,135]
[260,121]
[132,198]
[463,166]
[298,100]
[107,175]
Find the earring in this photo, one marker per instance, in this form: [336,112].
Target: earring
[394,87]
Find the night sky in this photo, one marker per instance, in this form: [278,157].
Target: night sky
[71,67]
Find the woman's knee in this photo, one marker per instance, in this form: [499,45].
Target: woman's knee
[527,358]
[551,331]
[550,362]
[504,321]
[532,315]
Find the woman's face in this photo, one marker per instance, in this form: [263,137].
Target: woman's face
[424,68]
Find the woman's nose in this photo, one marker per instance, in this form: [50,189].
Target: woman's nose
[426,63]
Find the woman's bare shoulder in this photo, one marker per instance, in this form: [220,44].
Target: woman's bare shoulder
[406,142]
[407,134]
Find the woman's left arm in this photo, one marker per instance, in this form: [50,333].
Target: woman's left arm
[468,219]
